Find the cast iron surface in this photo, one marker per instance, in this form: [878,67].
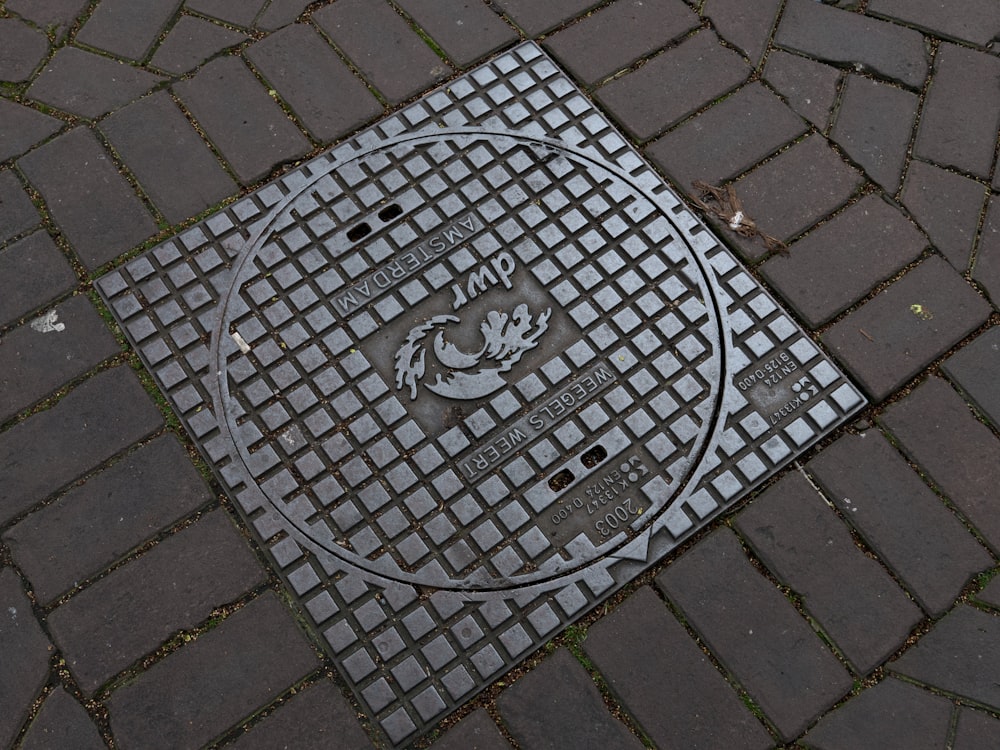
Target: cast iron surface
[469,373]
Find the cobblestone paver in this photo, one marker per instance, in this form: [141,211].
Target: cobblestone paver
[852,603]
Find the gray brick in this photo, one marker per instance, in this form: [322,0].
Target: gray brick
[855,602]
[557,706]
[640,644]
[809,87]
[648,26]
[874,125]
[975,369]
[317,717]
[166,154]
[90,201]
[104,510]
[191,42]
[976,21]
[840,36]
[98,418]
[220,96]
[173,586]
[890,714]
[238,12]
[843,259]
[475,732]
[755,632]
[892,337]
[88,84]
[747,25]
[791,192]
[35,272]
[22,48]
[34,363]
[728,138]
[986,267]
[22,127]
[55,14]
[198,692]
[976,730]
[961,115]
[958,452]
[17,213]
[127,28]
[990,594]
[467,31]
[384,48]
[535,17]
[958,655]
[24,668]
[62,723]
[280,13]
[673,85]
[900,518]
[303,69]
[947,205]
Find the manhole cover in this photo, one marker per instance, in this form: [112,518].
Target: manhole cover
[469,373]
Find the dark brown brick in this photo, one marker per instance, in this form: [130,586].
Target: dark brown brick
[976,21]
[88,84]
[57,15]
[303,69]
[198,692]
[280,13]
[874,125]
[173,586]
[959,655]
[809,87]
[728,138]
[855,602]
[793,191]
[975,369]
[840,36]
[900,518]
[105,510]
[35,272]
[91,202]
[947,205]
[22,127]
[961,115]
[24,668]
[755,632]
[958,452]
[535,17]
[62,723]
[317,717]
[640,644]
[35,361]
[838,263]
[890,714]
[673,85]
[168,157]
[238,12]
[648,26]
[191,42]
[976,730]
[895,335]
[475,732]
[557,706]
[127,28]
[98,418]
[381,44]
[222,96]
[746,25]
[466,30]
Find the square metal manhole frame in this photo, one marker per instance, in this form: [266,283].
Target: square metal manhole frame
[269,328]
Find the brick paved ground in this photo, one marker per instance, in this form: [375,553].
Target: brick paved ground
[848,605]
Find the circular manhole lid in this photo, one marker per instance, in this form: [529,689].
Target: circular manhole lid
[469,360]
